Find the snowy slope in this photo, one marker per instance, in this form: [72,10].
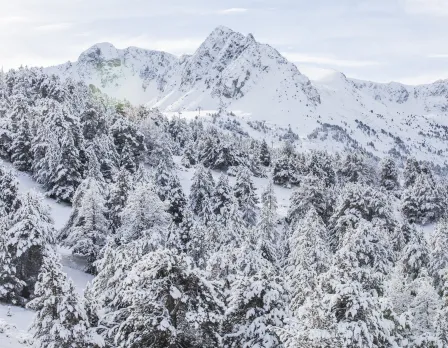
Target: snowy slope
[14,329]
[234,72]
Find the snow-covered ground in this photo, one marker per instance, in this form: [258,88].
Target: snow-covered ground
[14,328]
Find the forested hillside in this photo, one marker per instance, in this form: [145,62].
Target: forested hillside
[354,261]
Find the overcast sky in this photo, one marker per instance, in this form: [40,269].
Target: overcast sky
[379,40]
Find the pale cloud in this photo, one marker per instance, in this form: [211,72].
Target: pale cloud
[424,78]
[443,55]
[174,46]
[379,40]
[54,27]
[13,19]
[330,61]
[233,10]
[427,7]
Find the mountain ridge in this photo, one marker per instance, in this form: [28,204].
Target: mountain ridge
[231,71]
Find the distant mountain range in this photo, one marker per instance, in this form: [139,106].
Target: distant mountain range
[234,72]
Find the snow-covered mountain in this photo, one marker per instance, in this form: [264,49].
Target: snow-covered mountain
[253,80]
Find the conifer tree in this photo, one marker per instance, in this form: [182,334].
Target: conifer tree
[441,324]
[267,224]
[67,173]
[284,168]
[255,298]
[92,183]
[422,202]
[311,193]
[229,226]
[265,154]
[355,170]
[359,203]
[129,143]
[321,165]
[143,218]
[189,157]
[389,175]
[169,189]
[5,122]
[61,321]
[412,169]
[438,257]
[9,192]
[117,200]
[246,195]
[415,255]
[359,316]
[21,154]
[309,257]
[201,190]
[10,285]
[170,304]
[30,232]
[176,199]
[89,234]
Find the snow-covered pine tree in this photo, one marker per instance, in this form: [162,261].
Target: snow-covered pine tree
[19,108]
[246,195]
[225,224]
[284,172]
[265,154]
[389,174]
[415,255]
[422,311]
[310,256]
[169,188]
[61,321]
[438,258]
[21,154]
[92,121]
[129,143]
[255,298]
[176,199]
[355,170]
[144,218]
[189,156]
[201,190]
[311,193]
[321,165]
[401,236]
[9,192]
[89,234]
[170,303]
[267,225]
[359,203]
[313,326]
[360,316]
[411,170]
[179,132]
[30,232]
[117,198]
[422,202]
[106,152]
[93,181]
[10,285]
[5,121]
[441,324]
[67,173]
[222,197]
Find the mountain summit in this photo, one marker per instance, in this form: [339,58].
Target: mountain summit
[234,72]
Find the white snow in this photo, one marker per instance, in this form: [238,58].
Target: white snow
[235,72]
[14,329]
